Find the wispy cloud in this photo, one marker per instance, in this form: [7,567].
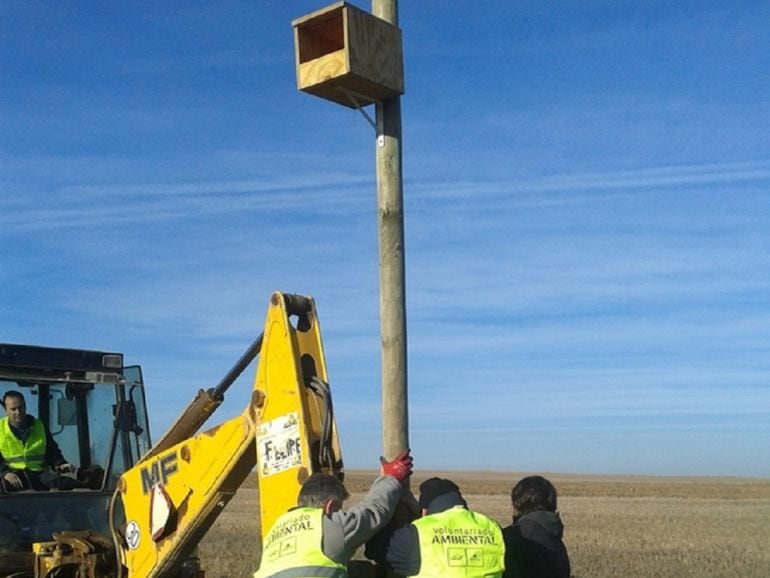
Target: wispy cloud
[78,205]
[675,178]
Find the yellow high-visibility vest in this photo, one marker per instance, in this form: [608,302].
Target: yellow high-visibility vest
[293,548]
[29,455]
[458,543]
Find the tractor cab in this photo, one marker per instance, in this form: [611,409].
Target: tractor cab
[95,411]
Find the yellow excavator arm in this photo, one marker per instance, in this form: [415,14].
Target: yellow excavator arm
[164,505]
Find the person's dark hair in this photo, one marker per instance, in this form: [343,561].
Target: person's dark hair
[13,393]
[432,488]
[533,494]
[319,488]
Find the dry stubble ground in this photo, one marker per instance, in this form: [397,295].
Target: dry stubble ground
[631,527]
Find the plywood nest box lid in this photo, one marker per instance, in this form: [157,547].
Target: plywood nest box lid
[342,51]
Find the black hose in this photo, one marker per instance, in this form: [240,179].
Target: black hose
[218,393]
[323,391]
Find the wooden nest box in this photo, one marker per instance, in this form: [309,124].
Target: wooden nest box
[342,51]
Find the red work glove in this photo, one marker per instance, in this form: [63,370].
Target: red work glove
[400,468]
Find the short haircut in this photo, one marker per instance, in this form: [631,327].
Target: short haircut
[533,494]
[13,393]
[433,488]
[319,488]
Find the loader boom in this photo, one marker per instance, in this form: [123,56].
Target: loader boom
[172,498]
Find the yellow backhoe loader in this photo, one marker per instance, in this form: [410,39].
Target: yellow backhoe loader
[139,511]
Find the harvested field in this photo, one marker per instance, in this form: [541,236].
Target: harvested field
[616,526]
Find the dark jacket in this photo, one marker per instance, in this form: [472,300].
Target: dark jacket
[534,547]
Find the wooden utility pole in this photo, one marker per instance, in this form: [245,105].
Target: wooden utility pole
[354,58]
[390,201]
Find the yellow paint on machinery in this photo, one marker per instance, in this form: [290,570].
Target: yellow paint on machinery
[290,436]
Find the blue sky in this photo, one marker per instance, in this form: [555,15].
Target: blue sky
[587,207]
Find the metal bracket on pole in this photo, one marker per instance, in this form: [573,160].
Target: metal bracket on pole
[352,96]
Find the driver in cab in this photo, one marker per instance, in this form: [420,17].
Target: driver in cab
[27,449]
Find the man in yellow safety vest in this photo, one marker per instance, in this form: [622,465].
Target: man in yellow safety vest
[448,540]
[27,448]
[318,538]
